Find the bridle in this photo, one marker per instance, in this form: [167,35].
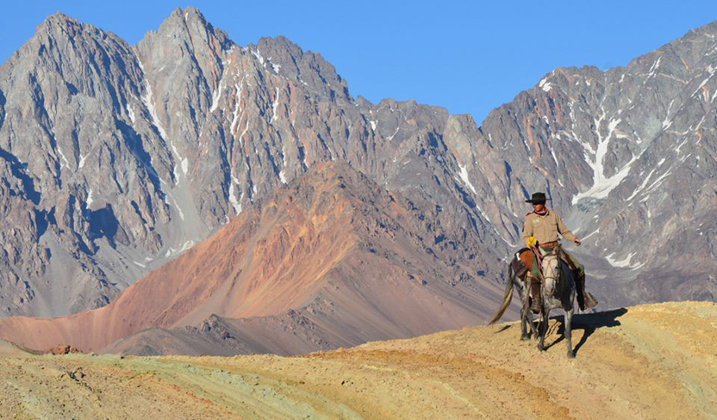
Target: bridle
[551,270]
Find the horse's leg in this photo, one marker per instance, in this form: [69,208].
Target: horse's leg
[543,328]
[526,317]
[531,320]
[523,325]
[569,332]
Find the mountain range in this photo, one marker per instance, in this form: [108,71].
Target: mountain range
[117,160]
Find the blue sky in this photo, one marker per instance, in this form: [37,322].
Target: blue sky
[467,56]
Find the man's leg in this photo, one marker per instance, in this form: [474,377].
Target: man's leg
[534,279]
[585,299]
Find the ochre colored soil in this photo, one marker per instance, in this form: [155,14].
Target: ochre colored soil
[649,362]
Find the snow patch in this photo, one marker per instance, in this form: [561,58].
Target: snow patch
[466,181]
[596,231]
[237,106]
[552,152]
[654,67]
[666,123]
[623,263]
[545,86]
[677,149]
[89,199]
[130,112]
[282,177]
[174,201]
[644,182]
[149,103]
[64,162]
[602,185]
[704,82]
[274,106]
[148,100]
[215,98]
[185,165]
[241,136]
[258,56]
[232,196]
[394,134]
[373,125]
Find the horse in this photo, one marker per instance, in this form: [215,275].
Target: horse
[557,291]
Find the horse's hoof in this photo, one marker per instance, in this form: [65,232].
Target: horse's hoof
[571,355]
[541,347]
[524,337]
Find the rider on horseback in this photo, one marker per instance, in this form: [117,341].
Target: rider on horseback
[544,225]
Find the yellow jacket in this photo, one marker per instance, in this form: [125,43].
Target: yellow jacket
[545,228]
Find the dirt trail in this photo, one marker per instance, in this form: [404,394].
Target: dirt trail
[649,362]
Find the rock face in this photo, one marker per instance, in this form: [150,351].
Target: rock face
[331,260]
[628,155]
[116,158]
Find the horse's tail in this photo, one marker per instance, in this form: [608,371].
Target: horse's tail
[506,297]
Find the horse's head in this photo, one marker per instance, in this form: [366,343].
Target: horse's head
[551,270]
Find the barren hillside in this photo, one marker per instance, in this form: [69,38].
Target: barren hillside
[650,362]
[330,260]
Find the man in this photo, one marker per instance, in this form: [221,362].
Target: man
[544,225]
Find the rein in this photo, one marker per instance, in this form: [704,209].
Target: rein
[540,261]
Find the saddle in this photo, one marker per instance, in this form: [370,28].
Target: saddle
[524,261]
[522,267]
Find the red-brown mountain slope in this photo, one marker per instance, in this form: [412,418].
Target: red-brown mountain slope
[331,260]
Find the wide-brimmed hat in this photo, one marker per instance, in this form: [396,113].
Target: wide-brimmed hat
[537,198]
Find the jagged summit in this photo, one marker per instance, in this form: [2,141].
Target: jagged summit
[188,24]
[59,26]
[59,19]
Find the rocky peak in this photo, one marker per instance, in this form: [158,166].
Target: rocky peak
[184,33]
[60,22]
[191,27]
[304,67]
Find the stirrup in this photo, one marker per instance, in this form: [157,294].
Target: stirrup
[590,301]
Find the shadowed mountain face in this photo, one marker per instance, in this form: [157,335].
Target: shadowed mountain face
[331,260]
[115,159]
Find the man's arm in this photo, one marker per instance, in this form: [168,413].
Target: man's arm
[527,230]
[567,234]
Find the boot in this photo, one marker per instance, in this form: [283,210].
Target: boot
[585,299]
[537,305]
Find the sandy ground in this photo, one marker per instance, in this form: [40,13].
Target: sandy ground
[646,362]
